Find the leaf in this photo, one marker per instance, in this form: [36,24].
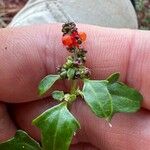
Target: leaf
[21,141]
[46,83]
[70,73]
[57,126]
[98,97]
[113,77]
[58,95]
[125,99]
[106,99]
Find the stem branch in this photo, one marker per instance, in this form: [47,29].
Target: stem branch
[73,86]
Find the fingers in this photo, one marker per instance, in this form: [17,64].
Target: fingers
[24,113]
[129,131]
[82,146]
[139,65]
[7,128]
[28,54]
[23,62]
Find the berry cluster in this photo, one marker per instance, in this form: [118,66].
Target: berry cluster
[71,37]
[74,67]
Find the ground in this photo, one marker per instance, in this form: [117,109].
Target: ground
[8,8]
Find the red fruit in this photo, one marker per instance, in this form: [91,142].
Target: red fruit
[75,33]
[67,40]
[82,36]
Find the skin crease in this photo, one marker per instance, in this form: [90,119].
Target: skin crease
[28,54]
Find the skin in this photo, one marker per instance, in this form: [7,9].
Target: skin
[28,54]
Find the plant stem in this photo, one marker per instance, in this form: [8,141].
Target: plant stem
[73,86]
[74,82]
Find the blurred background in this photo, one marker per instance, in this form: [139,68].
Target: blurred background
[8,8]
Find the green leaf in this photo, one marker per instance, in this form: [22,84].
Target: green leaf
[106,99]
[46,83]
[113,77]
[58,95]
[57,126]
[125,99]
[21,141]
[98,97]
[70,73]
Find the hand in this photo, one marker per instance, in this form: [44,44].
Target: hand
[28,54]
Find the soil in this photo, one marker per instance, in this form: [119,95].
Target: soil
[8,8]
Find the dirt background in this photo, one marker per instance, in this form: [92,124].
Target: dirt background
[8,8]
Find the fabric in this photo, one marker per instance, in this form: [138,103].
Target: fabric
[112,13]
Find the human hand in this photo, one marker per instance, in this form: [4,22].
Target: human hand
[28,54]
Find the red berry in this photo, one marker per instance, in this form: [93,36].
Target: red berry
[67,40]
[75,33]
[82,36]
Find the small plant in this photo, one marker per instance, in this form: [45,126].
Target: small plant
[104,98]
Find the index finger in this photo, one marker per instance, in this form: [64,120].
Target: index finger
[28,54]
